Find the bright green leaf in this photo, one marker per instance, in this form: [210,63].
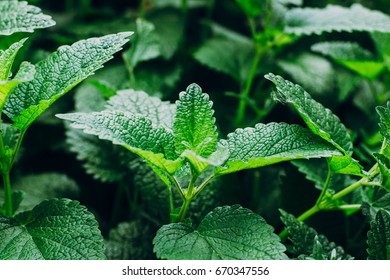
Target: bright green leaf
[56,229]
[229,232]
[161,113]
[26,73]
[59,73]
[351,56]
[382,44]
[194,124]
[19,16]
[272,143]
[7,58]
[145,44]
[321,121]
[306,21]
[134,132]
[379,237]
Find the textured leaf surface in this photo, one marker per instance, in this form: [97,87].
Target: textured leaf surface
[57,229]
[57,74]
[194,124]
[384,124]
[352,56]
[130,241]
[384,166]
[18,16]
[272,143]
[234,60]
[379,237]
[139,102]
[39,187]
[136,133]
[320,120]
[306,21]
[303,239]
[145,44]
[26,73]
[229,232]
[7,58]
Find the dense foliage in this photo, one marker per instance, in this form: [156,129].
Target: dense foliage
[286,156]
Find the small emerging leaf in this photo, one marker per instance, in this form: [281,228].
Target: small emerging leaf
[379,237]
[19,16]
[252,7]
[7,58]
[57,229]
[272,143]
[229,232]
[194,124]
[59,73]
[384,114]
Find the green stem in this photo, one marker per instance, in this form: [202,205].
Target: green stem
[189,195]
[203,185]
[141,9]
[17,148]
[249,82]
[326,185]
[7,194]
[327,206]
[349,207]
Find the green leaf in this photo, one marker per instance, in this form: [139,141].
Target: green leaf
[102,159]
[379,237]
[130,241]
[178,3]
[26,73]
[229,232]
[321,121]
[7,58]
[59,73]
[384,166]
[169,26]
[382,44]
[272,143]
[384,124]
[314,72]
[351,56]
[19,16]
[303,239]
[134,132]
[145,44]
[161,113]
[56,229]
[194,125]
[374,199]
[235,59]
[10,135]
[252,7]
[38,187]
[306,21]
[316,170]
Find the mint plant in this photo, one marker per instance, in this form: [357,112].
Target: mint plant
[57,228]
